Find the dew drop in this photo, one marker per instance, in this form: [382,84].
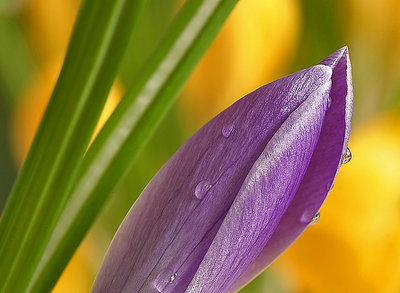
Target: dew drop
[227,130]
[347,156]
[328,103]
[202,188]
[308,214]
[315,218]
[163,280]
[172,278]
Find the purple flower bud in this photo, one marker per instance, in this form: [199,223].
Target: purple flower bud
[239,191]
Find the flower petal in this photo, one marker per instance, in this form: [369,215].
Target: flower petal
[187,209]
[264,197]
[322,170]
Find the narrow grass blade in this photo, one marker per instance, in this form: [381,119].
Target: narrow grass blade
[130,126]
[95,52]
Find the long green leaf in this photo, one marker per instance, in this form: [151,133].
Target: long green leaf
[97,45]
[130,126]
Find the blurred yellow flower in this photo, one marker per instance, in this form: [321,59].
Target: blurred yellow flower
[373,31]
[48,25]
[376,23]
[254,46]
[355,247]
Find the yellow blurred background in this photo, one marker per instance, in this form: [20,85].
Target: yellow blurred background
[355,247]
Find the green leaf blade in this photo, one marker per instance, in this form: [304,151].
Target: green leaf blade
[41,190]
[131,125]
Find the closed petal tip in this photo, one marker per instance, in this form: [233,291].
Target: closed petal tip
[239,191]
[322,170]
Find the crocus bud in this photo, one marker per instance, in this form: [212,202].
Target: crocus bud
[239,191]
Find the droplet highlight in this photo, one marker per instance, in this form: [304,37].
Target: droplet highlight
[347,157]
[202,188]
[308,214]
[172,278]
[227,130]
[328,103]
[315,218]
[163,280]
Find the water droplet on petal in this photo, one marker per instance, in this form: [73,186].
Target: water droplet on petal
[347,156]
[172,278]
[202,188]
[227,130]
[162,280]
[315,218]
[308,214]
[328,103]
